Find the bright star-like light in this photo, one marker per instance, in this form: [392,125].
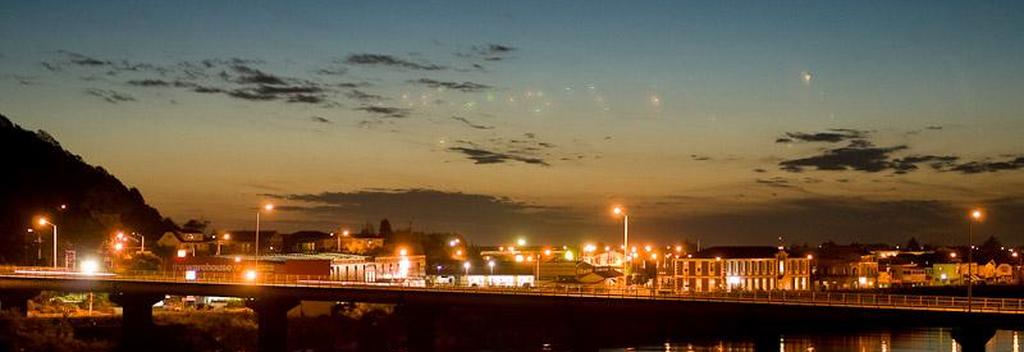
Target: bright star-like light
[806,77]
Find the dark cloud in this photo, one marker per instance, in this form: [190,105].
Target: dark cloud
[462,87]
[868,159]
[109,96]
[696,157]
[847,219]
[319,119]
[331,71]
[488,52]
[249,75]
[385,111]
[977,167]
[484,218]
[778,182]
[356,94]
[389,61]
[834,135]
[469,123]
[481,156]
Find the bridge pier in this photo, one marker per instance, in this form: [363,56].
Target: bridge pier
[272,317]
[420,326]
[972,337]
[136,318]
[16,300]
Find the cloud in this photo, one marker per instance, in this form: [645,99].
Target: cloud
[356,94]
[466,122]
[389,61]
[249,75]
[977,167]
[319,119]
[486,219]
[696,157]
[385,111]
[483,156]
[834,135]
[110,96]
[853,157]
[462,87]
[488,52]
[779,182]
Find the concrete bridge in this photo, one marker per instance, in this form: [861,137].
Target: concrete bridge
[271,297]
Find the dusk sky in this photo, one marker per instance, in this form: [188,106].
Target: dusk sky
[723,122]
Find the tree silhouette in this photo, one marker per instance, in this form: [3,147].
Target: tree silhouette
[385,229]
[913,245]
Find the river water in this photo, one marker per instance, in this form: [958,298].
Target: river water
[911,340]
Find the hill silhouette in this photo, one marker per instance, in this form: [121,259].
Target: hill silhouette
[41,178]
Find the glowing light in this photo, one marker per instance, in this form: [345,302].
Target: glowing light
[403,252]
[862,280]
[679,248]
[182,253]
[547,252]
[268,207]
[43,221]
[589,248]
[227,236]
[238,259]
[190,275]
[655,100]
[718,258]
[618,211]
[90,266]
[118,246]
[806,77]
[491,264]
[654,256]
[250,275]
[466,265]
[519,258]
[344,233]
[647,248]
[810,257]
[521,242]
[569,255]
[977,214]
[458,252]
[733,280]
[952,255]
[943,277]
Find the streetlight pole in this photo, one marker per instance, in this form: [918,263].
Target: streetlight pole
[625,242]
[43,221]
[268,207]
[975,216]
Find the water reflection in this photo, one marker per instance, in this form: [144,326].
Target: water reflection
[915,340]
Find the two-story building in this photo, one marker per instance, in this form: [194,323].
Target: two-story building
[746,268]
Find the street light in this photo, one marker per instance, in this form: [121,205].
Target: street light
[268,208]
[42,222]
[490,279]
[465,265]
[975,216]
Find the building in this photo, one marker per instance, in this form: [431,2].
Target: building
[845,272]
[187,243]
[394,269]
[740,269]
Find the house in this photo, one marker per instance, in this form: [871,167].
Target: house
[244,242]
[741,268]
[307,242]
[185,243]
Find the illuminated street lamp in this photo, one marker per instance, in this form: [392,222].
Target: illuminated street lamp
[625,225]
[268,208]
[975,216]
[465,265]
[43,222]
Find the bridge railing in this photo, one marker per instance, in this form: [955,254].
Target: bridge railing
[804,298]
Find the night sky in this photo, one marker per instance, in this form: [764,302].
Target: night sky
[727,122]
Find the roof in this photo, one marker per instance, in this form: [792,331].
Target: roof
[279,258]
[744,252]
[180,236]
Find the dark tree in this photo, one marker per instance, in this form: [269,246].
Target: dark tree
[194,225]
[385,229]
[913,245]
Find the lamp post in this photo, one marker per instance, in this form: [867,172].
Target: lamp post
[625,242]
[43,221]
[466,266]
[976,215]
[266,207]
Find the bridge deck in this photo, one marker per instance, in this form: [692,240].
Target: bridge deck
[313,288]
